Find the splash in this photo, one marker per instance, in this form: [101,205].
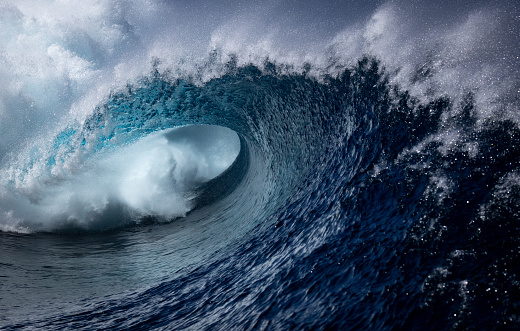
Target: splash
[157,176]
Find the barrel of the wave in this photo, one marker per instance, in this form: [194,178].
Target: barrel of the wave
[158,176]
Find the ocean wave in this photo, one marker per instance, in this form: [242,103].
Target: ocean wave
[365,180]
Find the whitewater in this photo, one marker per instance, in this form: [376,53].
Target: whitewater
[233,165]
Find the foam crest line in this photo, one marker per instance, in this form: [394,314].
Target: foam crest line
[156,176]
[59,61]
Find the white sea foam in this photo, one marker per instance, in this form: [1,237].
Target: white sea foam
[59,59]
[156,176]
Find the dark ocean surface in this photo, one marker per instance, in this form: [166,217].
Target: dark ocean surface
[374,186]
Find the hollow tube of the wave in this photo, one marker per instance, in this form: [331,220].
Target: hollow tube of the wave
[156,176]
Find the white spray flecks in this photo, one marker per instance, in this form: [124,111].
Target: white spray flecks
[58,57]
[59,60]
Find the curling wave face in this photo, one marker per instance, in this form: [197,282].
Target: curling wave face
[367,180]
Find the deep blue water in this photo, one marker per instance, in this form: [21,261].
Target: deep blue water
[353,203]
[347,227]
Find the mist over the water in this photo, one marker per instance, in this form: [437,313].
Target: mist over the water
[170,164]
[60,59]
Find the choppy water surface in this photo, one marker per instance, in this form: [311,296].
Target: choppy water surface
[363,175]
